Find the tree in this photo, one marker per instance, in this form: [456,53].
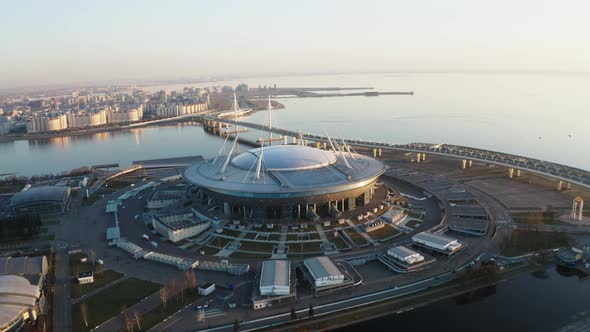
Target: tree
[137,316]
[236,326]
[164,295]
[191,280]
[84,309]
[128,322]
[311,311]
[293,313]
[200,315]
[92,256]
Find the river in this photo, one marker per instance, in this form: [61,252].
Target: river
[541,301]
[540,116]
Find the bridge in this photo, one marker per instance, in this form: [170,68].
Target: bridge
[561,173]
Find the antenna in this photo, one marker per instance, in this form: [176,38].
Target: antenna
[220,150]
[226,162]
[339,150]
[347,148]
[259,165]
[236,107]
[330,140]
[269,120]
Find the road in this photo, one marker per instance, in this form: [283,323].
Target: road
[62,309]
[184,322]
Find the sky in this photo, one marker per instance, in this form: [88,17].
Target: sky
[60,42]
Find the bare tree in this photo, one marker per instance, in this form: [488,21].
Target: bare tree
[164,295]
[128,322]
[191,280]
[92,256]
[84,309]
[137,316]
[200,315]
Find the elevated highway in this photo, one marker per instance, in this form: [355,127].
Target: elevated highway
[561,173]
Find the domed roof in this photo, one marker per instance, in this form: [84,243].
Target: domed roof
[285,158]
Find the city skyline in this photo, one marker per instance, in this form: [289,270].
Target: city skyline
[69,42]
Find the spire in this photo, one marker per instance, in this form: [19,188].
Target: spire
[269,120]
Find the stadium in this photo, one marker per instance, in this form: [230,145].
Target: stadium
[286,182]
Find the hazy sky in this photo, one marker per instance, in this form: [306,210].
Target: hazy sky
[45,42]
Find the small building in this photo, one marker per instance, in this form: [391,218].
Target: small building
[164,198]
[206,288]
[85,277]
[179,225]
[323,271]
[275,278]
[405,255]
[373,226]
[437,242]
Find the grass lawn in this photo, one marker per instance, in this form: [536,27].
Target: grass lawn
[536,218]
[239,254]
[256,246]
[100,279]
[231,232]
[383,233]
[208,250]
[413,214]
[358,239]
[305,247]
[526,241]
[250,235]
[220,242]
[413,223]
[274,237]
[158,314]
[76,266]
[108,302]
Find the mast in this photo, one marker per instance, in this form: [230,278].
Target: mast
[236,118]
[269,120]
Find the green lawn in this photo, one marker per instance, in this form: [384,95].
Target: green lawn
[383,233]
[100,279]
[108,302]
[158,314]
[239,254]
[220,242]
[526,241]
[358,239]
[305,247]
[76,266]
[413,223]
[536,218]
[256,246]
[208,250]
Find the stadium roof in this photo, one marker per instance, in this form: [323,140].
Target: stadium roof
[287,171]
[285,158]
[322,267]
[16,295]
[23,265]
[41,193]
[275,273]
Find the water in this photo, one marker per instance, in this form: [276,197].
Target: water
[537,302]
[540,116]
